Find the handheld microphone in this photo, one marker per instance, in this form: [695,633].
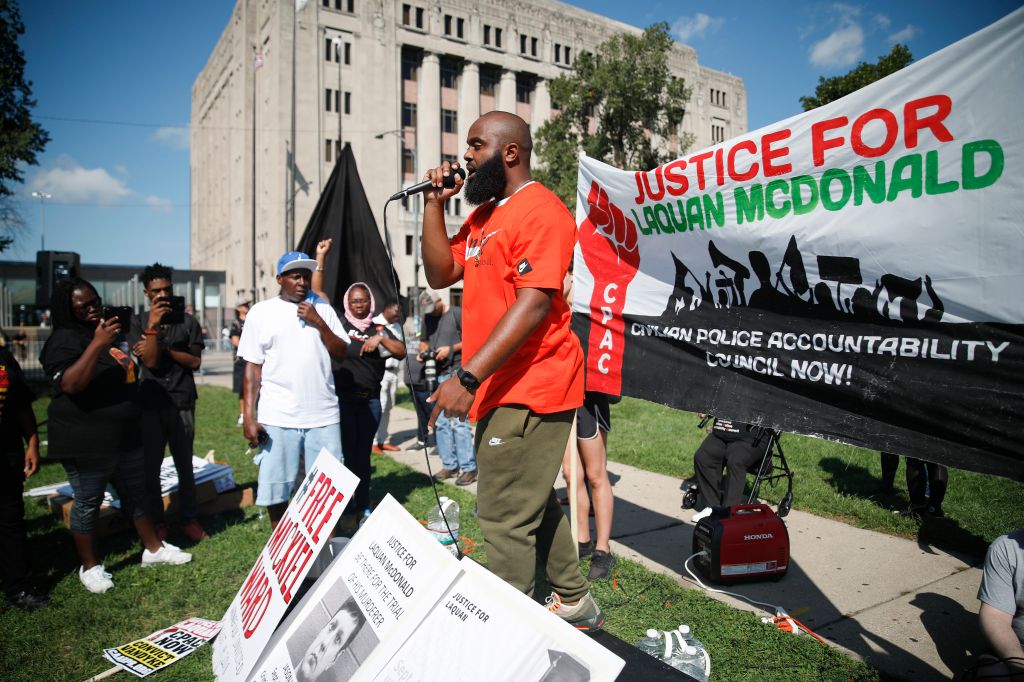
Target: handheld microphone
[449,182]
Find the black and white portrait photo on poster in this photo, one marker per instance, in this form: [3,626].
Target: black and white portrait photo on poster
[852,273]
[331,642]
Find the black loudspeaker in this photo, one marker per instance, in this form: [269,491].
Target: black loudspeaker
[52,267]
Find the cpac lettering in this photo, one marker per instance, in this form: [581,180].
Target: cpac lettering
[606,340]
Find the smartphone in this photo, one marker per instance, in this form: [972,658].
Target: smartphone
[176,315]
[123,314]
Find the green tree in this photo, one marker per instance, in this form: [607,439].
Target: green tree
[21,138]
[626,88]
[831,89]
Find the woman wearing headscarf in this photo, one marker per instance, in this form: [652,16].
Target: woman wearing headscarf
[94,425]
[358,379]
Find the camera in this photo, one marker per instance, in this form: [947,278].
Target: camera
[176,315]
[430,369]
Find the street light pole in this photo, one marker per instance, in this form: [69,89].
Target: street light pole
[400,134]
[42,196]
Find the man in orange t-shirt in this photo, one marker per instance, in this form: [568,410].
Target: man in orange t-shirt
[522,375]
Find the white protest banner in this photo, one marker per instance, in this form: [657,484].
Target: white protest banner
[485,628]
[854,272]
[390,573]
[164,647]
[278,572]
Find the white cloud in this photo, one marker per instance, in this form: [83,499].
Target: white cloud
[842,47]
[904,36]
[686,28]
[159,203]
[172,137]
[883,21]
[71,183]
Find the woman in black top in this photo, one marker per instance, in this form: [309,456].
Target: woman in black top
[94,422]
[357,381]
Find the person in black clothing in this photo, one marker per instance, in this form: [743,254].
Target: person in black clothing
[238,369]
[19,459]
[734,446]
[926,483]
[94,425]
[170,353]
[358,380]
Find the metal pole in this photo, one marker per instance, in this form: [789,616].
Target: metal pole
[289,236]
[254,71]
[416,235]
[42,196]
[338,54]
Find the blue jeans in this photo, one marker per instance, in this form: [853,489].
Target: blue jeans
[454,439]
[278,459]
[359,418]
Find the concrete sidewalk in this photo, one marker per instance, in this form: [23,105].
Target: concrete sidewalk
[906,609]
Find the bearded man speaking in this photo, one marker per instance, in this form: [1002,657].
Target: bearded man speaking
[522,375]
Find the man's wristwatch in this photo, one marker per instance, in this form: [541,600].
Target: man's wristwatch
[470,382]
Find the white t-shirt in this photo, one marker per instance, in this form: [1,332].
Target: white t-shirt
[297,390]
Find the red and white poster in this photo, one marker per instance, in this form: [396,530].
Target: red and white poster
[854,272]
[278,572]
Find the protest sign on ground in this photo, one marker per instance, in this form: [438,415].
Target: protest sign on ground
[391,572]
[164,647]
[484,625]
[279,569]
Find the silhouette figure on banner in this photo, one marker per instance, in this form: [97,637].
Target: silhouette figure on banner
[839,292]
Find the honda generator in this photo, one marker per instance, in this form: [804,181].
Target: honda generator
[745,542]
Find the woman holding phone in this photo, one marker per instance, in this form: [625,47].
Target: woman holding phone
[94,425]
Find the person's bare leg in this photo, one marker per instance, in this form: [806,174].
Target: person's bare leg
[594,454]
[85,545]
[146,529]
[582,498]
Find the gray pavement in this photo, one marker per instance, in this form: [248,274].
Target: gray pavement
[907,609]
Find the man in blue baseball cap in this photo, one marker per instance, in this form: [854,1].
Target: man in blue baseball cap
[288,343]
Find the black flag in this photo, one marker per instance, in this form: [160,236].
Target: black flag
[358,253]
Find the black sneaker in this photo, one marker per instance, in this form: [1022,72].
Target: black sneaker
[601,566]
[586,548]
[28,601]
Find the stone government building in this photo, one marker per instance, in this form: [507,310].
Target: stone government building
[399,80]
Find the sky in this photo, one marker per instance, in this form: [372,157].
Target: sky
[113,81]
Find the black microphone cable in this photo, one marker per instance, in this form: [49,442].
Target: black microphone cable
[408,369]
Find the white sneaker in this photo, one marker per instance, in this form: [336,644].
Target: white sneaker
[702,514]
[168,554]
[241,420]
[96,579]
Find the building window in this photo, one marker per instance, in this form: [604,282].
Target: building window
[533,47]
[449,121]
[335,53]
[348,54]
[408,245]
[522,43]
[408,161]
[718,97]
[487,34]
[460,28]
[449,73]
[497,37]
[568,56]
[453,206]
[524,88]
[412,16]
[717,133]
[348,102]
[562,54]
[450,158]
[410,66]
[447,24]
[558,53]
[328,148]
[408,114]
[329,54]
[411,203]
[489,79]
[327,99]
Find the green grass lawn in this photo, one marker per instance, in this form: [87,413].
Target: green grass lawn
[831,479]
[64,640]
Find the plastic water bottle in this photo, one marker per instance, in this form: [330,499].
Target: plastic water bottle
[701,654]
[689,661]
[651,644]
[436,516]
